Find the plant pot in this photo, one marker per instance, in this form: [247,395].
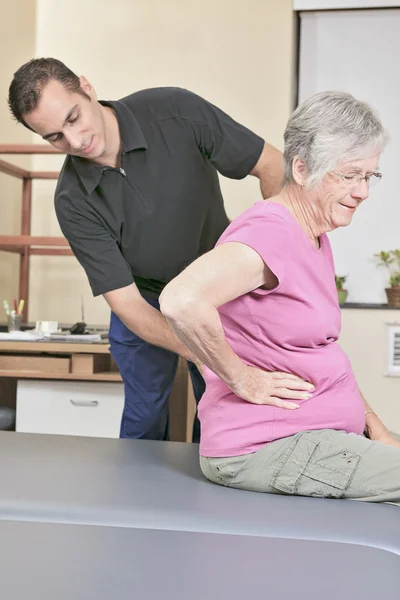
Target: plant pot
[393,296]
[342,296]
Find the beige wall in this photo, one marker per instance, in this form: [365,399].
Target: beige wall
[17,44]
[237,54]
[364,338]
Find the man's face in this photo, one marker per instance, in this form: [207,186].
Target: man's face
[69,121]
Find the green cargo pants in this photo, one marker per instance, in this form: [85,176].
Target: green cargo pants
[323,463]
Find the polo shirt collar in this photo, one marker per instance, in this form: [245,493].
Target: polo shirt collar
[132,139]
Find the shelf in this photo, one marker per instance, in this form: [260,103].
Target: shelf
[17,351]
[108,376]
[55,347]
[368,306]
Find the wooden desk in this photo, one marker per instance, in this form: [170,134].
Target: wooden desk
[15,351]
[18,354]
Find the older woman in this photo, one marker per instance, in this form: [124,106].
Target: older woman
[282,412]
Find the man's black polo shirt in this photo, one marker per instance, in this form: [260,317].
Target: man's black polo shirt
[148,220]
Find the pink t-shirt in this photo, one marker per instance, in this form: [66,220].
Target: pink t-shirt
[293,328]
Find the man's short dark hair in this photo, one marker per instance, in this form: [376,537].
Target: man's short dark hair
[28,82]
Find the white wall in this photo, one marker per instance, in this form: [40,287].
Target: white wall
[364,338]
[238,55]
[356,51]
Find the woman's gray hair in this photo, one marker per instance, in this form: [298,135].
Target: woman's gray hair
[329,129]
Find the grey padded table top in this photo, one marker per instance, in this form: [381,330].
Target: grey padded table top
[43,561]
[158,485]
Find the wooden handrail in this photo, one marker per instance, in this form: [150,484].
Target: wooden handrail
[44,174]
[31,240]
[13,170]
[51,251]
[25,244]
[28,149]
[14,249]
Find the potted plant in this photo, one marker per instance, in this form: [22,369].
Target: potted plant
[391,260]
[342,293]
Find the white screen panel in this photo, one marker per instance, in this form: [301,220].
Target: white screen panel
[357,52]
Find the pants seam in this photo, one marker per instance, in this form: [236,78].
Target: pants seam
[369,490]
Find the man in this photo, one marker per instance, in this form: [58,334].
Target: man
[138,199]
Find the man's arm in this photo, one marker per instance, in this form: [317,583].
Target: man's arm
[375,429]
[269,170]
[110,275]
[234,150]
[144,320]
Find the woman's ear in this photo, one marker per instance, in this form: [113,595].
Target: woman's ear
[299,172]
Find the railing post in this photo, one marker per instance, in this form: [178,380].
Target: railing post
[26,212]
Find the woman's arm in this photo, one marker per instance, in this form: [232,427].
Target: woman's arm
[190,303]
[375,429]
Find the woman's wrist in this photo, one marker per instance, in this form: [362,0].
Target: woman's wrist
[234,373]
[374,428]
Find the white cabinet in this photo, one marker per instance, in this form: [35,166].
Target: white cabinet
[87,408]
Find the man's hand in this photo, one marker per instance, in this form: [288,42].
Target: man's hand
[270,387]
[145,320]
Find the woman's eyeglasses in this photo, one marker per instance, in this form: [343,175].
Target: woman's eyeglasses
[354,179]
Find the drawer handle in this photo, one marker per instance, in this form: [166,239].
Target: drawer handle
[84,402]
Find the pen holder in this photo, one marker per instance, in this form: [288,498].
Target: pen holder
[14,322]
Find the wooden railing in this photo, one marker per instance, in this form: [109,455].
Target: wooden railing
[26,244]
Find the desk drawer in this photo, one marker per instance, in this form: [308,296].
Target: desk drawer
[91,409]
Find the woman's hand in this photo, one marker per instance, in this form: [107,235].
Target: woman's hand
[375,430]
[271,387]
[386,438]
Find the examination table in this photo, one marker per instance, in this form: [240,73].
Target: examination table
[96,519]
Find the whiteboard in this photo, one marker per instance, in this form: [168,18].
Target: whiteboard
[338,4]
[358,52]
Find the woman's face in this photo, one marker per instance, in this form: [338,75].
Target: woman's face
[342,191]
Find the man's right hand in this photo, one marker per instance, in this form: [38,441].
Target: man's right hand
[271,387]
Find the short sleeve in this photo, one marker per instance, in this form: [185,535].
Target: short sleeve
[268,234]
[94,247]
[233,149]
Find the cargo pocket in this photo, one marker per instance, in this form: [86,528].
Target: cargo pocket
[314,467]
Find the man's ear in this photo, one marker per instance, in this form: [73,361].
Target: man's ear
[299,171]
[87,87]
